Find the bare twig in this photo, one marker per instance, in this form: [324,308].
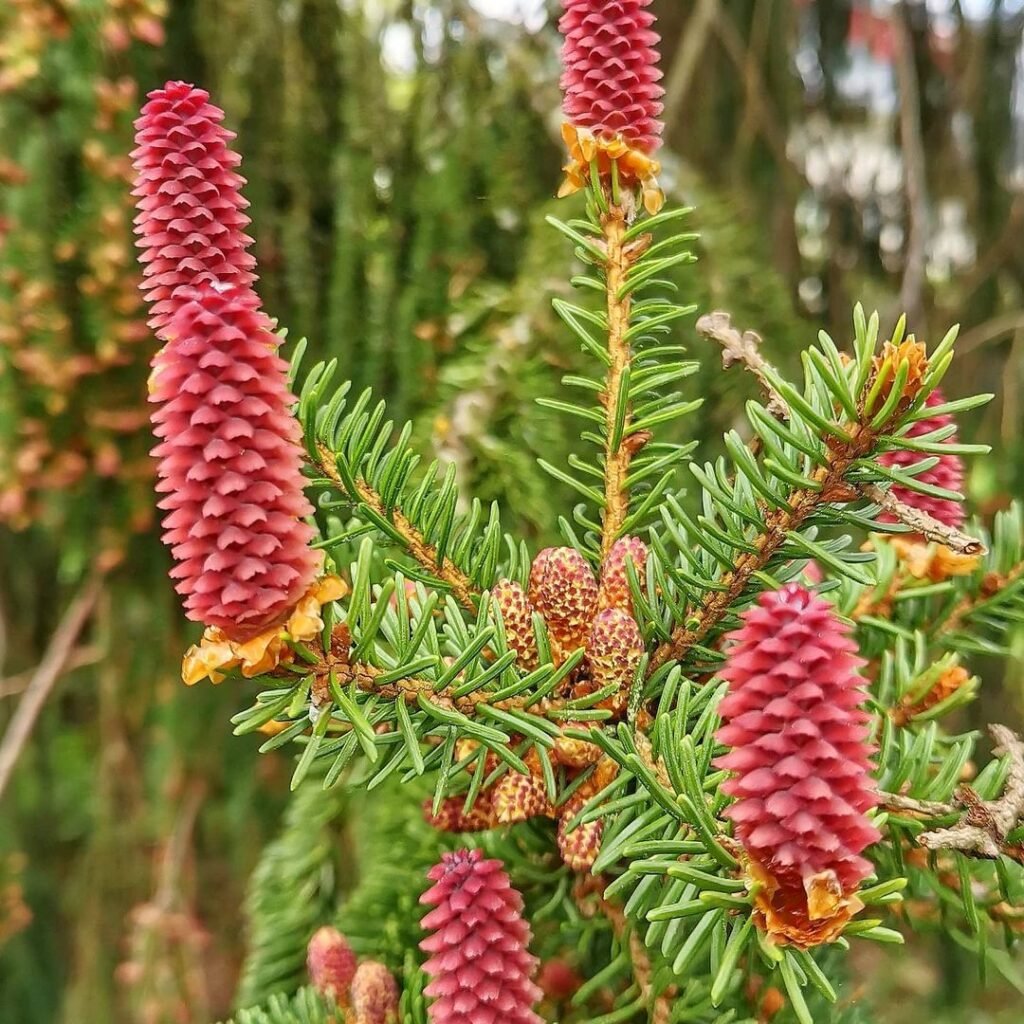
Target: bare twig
[984,824]
[80,658]
[743,348]
[912,287]
[692,46]
[55,660]
[923,523]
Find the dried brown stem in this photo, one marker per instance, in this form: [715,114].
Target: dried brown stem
[426,554]
[744,349]
[619,258]
[984,824]
[921,522]
[60,649]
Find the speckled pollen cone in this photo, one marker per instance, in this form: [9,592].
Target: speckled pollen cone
[374,994]
[479,963]
[947,473]
[230,465]
[517,618]
[614,591]
[800,758]
[611,74]
[190,223]
[563,589]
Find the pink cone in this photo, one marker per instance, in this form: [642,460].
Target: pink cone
[479,963]
[190,223]
[799,739]
[948,472]
[230,465]
[330,962]
[611,74]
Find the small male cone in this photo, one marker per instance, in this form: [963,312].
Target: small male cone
[520,797]
[230,465]
[374,994]
[801,764]
[517,619]
[614,591]
[479,963]
[614,649]
[580,846]
[330,962]
[947,473]
[611,74]
[190,223]
[564,590]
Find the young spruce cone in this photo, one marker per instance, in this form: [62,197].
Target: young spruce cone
[611,70]
[479,962]
[801,761]
[230,465]
[190,223]
[947,473]
[330,962]
[563,589]
[374,994]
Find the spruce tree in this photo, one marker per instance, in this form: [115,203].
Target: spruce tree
[669,770]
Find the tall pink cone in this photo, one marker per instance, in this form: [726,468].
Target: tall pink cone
[479,963]
[190,222]
[800,758]
[947,473]
[611,74]
[230,465]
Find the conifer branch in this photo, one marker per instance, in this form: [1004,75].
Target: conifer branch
[618,447]
[424,553]
[778,524]
[745,349]
[993,584]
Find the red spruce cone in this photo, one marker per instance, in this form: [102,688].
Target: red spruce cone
[615,591]
[190,223]
[517,618]
[230,466]
[801,762]
[611,71]
[479,962]
[948,472]
[563,589]
[330,962]
[374,994]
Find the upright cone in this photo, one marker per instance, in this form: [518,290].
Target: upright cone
[800,755]
[191,224]
[230,465]
[479,962]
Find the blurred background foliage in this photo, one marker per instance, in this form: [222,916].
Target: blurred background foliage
[401,156]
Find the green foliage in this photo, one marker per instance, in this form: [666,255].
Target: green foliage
[291,893]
